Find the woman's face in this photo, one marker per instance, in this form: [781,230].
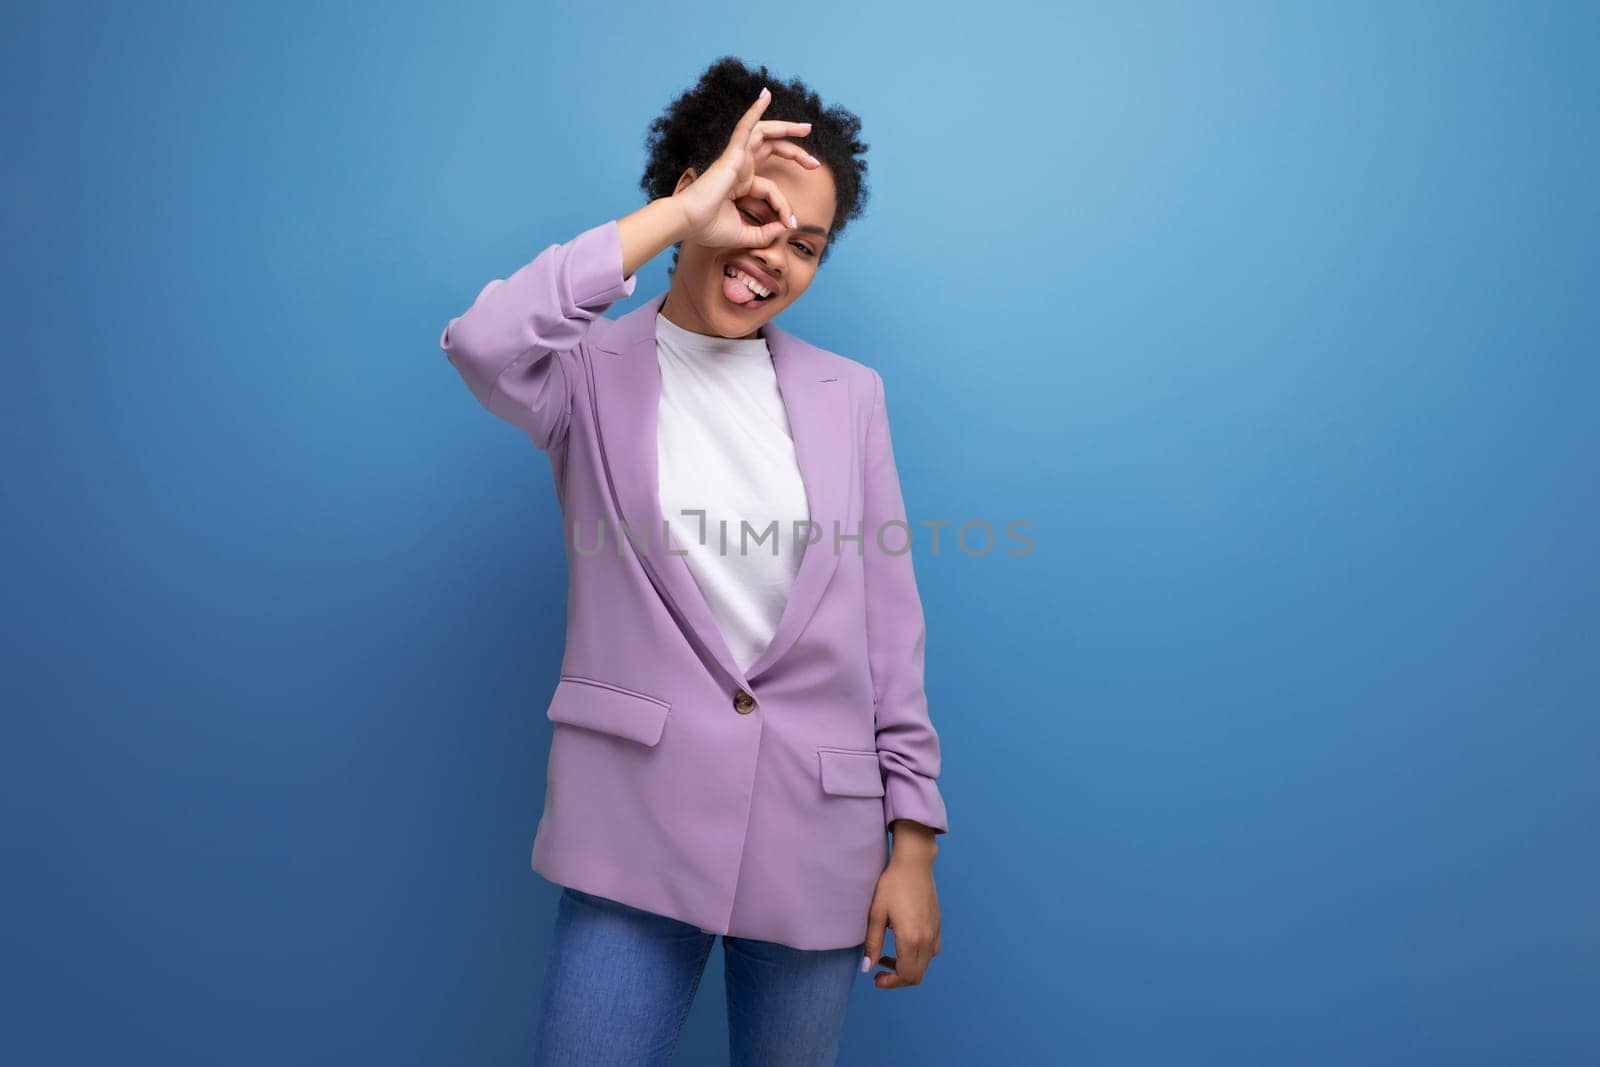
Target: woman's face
[703,299]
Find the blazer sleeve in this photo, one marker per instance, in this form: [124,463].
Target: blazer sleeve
[908,746]
[513,346]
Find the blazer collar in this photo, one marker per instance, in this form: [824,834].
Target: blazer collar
[628,392]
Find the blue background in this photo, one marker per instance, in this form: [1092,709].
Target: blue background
[1277,322]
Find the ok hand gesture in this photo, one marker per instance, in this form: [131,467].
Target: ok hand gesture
[710,214]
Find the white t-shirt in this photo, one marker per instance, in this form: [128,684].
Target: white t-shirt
[723,447]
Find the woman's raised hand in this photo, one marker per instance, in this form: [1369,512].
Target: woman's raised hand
[710,214]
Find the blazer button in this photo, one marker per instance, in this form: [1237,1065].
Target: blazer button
[743,702]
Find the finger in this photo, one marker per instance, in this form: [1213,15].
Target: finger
[769,130]
[783,128]
[907,971]
[877,922]
[762,236]
[768,190]
[744,131]
[760,131]
[788,150]
[887,980]
[752,114]
[890,979]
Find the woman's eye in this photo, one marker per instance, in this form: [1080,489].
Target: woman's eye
[802,246]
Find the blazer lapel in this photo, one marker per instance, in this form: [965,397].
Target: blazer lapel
[628,386]
[818,406]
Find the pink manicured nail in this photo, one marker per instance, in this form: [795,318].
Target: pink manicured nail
[866,964]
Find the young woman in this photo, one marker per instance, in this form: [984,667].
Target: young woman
[740,715]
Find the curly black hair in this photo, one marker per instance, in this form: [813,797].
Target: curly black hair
[694,129]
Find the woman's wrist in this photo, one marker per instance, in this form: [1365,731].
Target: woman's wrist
[646,232]
[913,843]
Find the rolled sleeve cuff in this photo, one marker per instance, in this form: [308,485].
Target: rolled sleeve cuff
[595,264]
[908,795]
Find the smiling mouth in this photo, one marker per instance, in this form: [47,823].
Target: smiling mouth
[756,298]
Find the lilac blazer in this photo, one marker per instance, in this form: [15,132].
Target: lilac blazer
[753,803]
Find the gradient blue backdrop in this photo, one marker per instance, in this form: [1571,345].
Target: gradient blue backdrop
[1278,322]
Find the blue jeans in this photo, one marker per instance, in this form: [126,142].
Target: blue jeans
[620,982]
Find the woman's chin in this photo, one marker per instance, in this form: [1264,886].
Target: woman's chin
[735,320]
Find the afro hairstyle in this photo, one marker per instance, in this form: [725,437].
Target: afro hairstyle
[694,130]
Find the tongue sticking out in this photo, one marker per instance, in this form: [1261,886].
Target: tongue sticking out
[737,291]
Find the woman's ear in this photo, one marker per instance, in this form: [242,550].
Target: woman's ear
[685,180]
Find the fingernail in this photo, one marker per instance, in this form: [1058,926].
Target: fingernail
[794,223]
[764,92]
[866,964]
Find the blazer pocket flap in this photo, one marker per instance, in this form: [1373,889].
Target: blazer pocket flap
[608,708]
[849,772]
